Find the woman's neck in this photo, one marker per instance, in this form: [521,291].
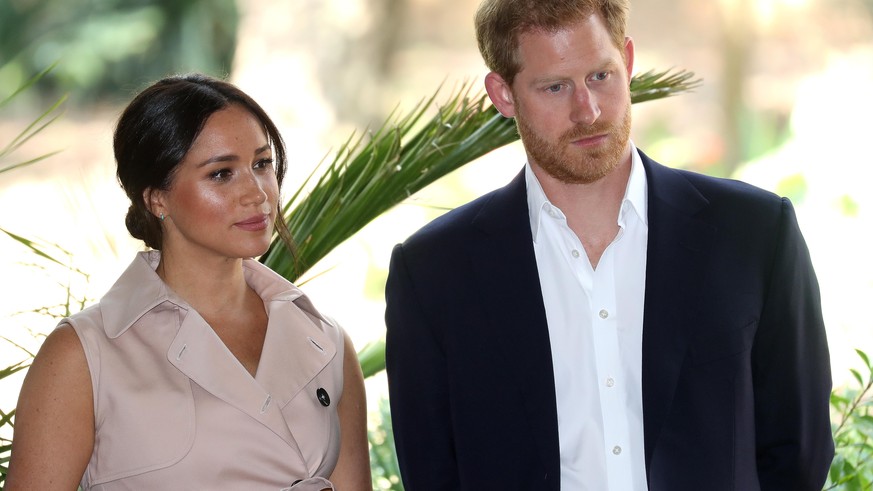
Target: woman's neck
[209,284]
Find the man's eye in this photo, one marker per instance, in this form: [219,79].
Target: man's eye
[600,76]
[554,89]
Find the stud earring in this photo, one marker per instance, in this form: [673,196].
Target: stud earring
[162,217]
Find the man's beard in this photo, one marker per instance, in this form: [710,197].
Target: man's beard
[577,166]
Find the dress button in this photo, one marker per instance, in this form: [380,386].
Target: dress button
[610,382]
[323,398]
[575,253]
[616,450]
[603,313]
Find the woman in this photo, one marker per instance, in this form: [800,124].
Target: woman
[200,368]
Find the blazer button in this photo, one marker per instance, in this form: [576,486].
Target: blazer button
[323,398]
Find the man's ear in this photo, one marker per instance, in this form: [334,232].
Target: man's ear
[500,94]
[629,56]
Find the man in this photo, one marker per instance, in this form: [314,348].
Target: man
[603,322]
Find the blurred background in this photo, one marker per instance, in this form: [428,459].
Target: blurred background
[785,103]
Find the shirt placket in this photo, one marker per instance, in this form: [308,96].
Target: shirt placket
[605,317]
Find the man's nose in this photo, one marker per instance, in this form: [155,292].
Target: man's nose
[585,109]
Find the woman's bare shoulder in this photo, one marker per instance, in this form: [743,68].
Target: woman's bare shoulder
[54,419]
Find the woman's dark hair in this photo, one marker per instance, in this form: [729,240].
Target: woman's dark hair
[155,132]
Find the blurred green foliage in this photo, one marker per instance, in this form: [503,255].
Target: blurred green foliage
[793,187]
[105,46]
[383,455]
[851,406]
[8,161]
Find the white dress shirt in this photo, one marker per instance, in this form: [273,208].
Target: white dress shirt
[595,319]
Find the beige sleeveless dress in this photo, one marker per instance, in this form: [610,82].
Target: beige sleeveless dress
[174,409]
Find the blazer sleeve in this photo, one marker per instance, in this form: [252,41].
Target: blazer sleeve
[791,366]
[418,385]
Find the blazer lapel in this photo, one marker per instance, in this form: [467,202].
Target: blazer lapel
[677,246]
[505,268]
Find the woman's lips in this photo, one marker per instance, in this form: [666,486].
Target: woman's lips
[255,223]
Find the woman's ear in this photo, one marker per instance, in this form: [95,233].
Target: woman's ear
[500,94]
[154,201]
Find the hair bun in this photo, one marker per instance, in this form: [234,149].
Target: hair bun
[143,226]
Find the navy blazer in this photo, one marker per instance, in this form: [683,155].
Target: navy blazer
[736,372]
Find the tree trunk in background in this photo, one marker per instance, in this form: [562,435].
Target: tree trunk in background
[738,24]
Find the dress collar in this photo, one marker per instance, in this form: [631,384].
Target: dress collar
[139,290]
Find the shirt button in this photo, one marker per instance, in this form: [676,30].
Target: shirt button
[575,253]
[610,382]
[616,450]
[603,313]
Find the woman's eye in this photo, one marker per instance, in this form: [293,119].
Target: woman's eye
[263,164]
[220,175]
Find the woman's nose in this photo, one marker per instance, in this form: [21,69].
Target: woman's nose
[253,191]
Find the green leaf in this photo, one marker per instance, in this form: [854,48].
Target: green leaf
[865,358]
[372,357]
[653,84]
[11,369]
[28,84]
[36,248]
[28,162]
[838,401]
[857,376]
[864,424]
[6,418]
[35,127]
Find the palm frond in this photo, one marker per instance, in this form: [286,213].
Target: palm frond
[40,123]
[371,173]
[25,163]
[34,127]
[653,84]
[11,369]
[39,248]
[372,357]
[28,84]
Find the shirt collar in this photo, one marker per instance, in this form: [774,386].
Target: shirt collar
[637,191]
[635,195]
[537,203]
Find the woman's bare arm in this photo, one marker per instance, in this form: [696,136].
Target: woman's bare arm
[352,472]
[54,420]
